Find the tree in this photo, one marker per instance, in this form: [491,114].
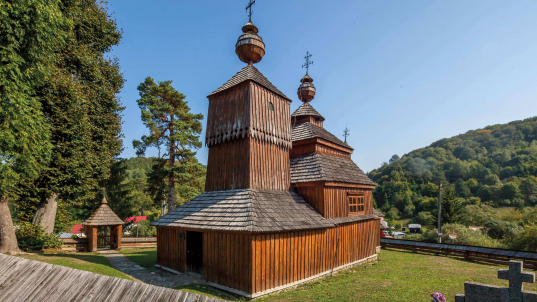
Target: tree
[394,158]
[452,207]
[171,124]
[31,30]
[81,106]
[528,189]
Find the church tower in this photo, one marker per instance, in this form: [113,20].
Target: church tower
[248,126]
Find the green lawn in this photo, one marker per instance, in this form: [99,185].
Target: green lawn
[144,257]
[398,276]
[91,262]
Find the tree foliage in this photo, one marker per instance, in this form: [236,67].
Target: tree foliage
[496,165]
[173,128]
[80,104]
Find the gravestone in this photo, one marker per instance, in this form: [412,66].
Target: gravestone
[477,292]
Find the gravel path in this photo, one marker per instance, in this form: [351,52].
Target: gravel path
[140,274]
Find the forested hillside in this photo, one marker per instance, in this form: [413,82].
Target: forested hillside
[496,166]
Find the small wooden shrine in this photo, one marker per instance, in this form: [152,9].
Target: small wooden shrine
[103,228]
[283,202]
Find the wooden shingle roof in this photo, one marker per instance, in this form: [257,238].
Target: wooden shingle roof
[324,167]
[248,210]
[306,110]
[24,280]
[103,216]
[307,130]
[250,73]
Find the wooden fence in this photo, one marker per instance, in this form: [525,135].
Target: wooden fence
[485,254]
[79,244]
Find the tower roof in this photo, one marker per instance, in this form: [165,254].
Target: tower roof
[324,167]
[103,216]
[306,110]
[306,131]
[250,73]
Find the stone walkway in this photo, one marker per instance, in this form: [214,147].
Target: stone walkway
[157,277]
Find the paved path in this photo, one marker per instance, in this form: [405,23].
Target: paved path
[157,277]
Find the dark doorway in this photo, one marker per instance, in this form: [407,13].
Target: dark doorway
[103,237]
[194,252]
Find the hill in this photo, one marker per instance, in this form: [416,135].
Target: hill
[496,165]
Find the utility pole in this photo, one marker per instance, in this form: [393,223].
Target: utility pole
[440,214]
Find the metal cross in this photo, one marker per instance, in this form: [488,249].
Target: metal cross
[346,133]
[308,62]
[249,8]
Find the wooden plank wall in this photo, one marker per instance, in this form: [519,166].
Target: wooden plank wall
[244,109]
[302,149]
[314,195]
[332,151]
[336,204]
[228,165]
[227,260]
[267,124]
[171,251]
[284,258]
[269,166]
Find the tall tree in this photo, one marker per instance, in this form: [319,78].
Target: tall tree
[452,207]
[171,125]
[31,31]
[82,109]
[528,189]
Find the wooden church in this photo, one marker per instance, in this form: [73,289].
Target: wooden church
[283,202]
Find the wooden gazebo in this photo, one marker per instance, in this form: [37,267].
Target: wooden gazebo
[103,228]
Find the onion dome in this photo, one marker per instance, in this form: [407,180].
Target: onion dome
[306,90]
[250,47]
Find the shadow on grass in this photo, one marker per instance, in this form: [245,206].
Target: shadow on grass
[87,257]
[143,257]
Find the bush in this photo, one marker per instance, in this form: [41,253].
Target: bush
[499,229]
[526,240]
[32,237]
[414,237]
[144,229]
[464,236]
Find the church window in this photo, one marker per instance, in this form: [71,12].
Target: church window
[270,106]
[356,204]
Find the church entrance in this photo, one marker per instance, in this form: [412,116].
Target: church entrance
[194,252]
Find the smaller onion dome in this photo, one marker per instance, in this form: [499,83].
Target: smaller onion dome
[306,90]
[250,47]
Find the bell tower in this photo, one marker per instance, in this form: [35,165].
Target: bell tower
[248,126]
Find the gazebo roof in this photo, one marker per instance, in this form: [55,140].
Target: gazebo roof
[103,216]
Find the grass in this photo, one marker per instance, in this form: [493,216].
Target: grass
[91,262]
[143,257]
[398,276]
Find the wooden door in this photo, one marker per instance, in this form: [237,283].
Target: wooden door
[103,237]
[194,252]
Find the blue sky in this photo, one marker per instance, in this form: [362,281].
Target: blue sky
[400,74]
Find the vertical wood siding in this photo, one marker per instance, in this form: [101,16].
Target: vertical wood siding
[269,166]
[327,150]
[283,258]
[336,203]
[227,260]
[314,195]
[244,111]
[171,251]
[228,165]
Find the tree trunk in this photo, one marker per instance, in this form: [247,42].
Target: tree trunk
[46,213]
[8,240]
[171,179]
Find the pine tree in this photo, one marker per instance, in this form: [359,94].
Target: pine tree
[173,127]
